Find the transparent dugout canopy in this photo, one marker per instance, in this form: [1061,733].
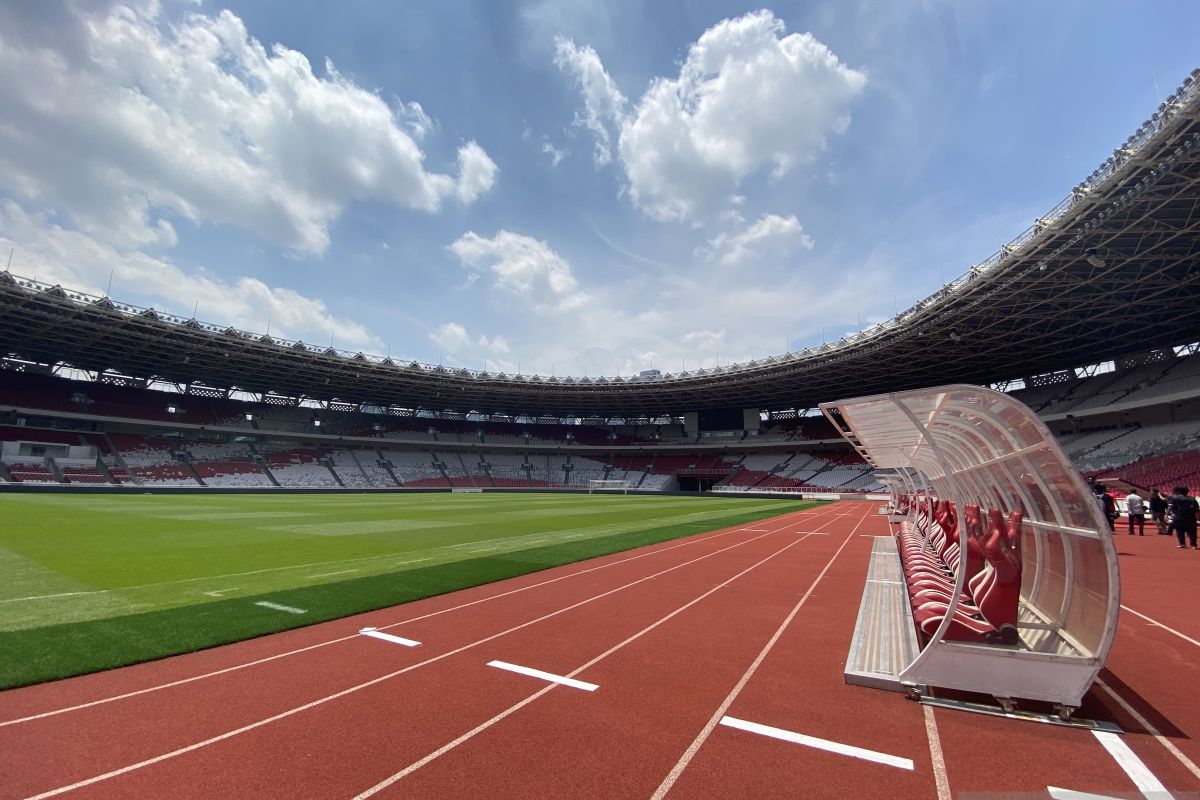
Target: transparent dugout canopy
[968,444]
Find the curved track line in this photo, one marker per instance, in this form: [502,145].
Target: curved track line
[328,698]
[416,765]
[713,721]
[256,662]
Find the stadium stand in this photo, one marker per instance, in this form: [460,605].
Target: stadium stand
[1146,443]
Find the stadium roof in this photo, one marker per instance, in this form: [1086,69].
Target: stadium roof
[1113,270]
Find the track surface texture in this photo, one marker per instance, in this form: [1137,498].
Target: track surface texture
[675,654]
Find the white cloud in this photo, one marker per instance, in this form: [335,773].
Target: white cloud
[476,172]
[746,98]
[710,341]
[556,155]
[414,118]
[497,344]
[451,337]
[54,254]
[116,119]
[522,265]
[770,233]
[457,347]
[603,103]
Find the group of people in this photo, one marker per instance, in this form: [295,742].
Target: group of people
[1175,514]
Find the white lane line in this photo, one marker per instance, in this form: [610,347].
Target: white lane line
[936,757]
[1158,624]
[707,730]
[819,744]
[1150,786]
[483,726]
[204,675]
[546,676]
[365,684]
[756,530]
[1071,794]
[219,592]
[328,574]
[280,607]
[387,637]
[1153,731]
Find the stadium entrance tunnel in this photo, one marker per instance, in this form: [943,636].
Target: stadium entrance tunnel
[690,483]
[1001,576]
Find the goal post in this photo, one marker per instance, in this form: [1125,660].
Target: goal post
[608,486]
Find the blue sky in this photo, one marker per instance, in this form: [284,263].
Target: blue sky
[560,187]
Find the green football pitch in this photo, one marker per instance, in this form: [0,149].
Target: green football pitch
[89,582]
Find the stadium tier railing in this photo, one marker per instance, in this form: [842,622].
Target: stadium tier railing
[1008,562]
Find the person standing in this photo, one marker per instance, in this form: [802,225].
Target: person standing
[1109,503]
[1158,511]
[1184,511]
[1136,509]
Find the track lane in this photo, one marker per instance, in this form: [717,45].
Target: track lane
[250,706]
[800,687]
[655,693]
[115,685]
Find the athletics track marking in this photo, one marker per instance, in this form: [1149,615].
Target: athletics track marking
[701,737]
[546,676]
[411,768]
[388,676]
[297,651]
[819,744]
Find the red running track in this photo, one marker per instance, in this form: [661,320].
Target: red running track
[750,623]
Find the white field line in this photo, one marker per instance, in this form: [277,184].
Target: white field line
[820,744]
[280,607]
[375,633]
[1150,786]
[416,765]
[357,687]
[297,651]
[219,592]
[936,757]
[330,574]
[1158,624]
[1145,723]
[701,737]
[546,676]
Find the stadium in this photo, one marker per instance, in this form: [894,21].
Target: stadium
[240,565]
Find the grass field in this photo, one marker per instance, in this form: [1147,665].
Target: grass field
[89,582]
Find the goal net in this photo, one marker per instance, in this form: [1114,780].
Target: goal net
[608,486]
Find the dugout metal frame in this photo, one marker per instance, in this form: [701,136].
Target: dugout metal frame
[973,445]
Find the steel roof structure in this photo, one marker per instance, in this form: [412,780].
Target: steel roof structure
[1111,271]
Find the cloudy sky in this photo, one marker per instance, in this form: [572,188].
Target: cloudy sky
[555,185]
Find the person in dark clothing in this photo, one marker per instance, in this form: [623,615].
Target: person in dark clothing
[1110,509]
[1184,511]
[1158,511]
